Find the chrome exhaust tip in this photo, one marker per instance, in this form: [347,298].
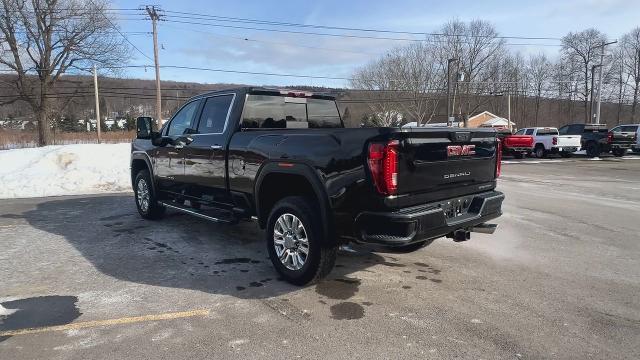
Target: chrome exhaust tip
[485,228]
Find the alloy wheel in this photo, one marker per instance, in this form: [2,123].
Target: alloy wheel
[290,241]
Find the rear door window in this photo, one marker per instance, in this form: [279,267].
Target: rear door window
[520,132]
[281,112]
[530,131]
[629,128]
[214,114]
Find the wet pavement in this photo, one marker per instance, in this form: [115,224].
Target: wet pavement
[85,277]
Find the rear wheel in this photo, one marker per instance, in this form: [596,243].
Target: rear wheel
[297,247]
[146,199]
[540,152]
[593,150]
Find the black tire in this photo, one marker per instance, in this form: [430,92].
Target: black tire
[321,255]
[619,152]
[593,150]
[540,152]
[518,155]
[566,154]
[152,210]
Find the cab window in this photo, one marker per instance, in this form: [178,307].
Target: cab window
[182,119]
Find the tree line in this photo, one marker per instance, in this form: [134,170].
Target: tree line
[409,82]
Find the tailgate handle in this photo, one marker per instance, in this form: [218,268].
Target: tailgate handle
[460,136]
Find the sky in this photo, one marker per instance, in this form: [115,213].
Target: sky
[217,47]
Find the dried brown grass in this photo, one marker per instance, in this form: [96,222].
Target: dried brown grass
[15,139]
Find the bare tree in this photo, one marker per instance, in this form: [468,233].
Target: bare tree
[44,39]
[477,46]
[582,49]
[630,55]
[540,71]
[406,80]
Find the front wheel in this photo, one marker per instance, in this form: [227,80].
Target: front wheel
[146,200]
[297,247]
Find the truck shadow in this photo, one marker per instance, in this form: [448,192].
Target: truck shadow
[178,251]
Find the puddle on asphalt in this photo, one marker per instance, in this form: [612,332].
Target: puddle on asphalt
[39,312]
[346,311]
[339,289]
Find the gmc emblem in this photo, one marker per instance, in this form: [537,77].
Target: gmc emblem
[460,150]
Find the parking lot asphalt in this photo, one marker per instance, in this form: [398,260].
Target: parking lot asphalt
[560,279]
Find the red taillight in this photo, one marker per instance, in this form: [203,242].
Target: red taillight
[383,164]
[498,158]
[554,141]
[609,137]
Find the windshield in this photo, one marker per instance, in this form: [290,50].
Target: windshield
[270,111]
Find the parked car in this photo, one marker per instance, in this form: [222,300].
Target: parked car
[518,145]
[285,158]
[622,138]
[547,141]
[593,137]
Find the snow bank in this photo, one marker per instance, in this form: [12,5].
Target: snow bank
[64,170]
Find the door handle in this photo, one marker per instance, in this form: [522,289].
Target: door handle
[216,147]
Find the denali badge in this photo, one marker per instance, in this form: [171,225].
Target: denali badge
[459,150]
[455,175]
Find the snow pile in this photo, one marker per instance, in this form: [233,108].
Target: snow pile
[65,170]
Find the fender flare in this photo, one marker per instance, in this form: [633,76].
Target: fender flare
[300,169]
[142,155]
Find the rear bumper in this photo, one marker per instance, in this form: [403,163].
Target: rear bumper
[622,145]
[428,221]
[565,148]
[518,149]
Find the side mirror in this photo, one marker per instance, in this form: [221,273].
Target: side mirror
[143,127]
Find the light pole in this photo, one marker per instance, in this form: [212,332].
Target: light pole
[602,55]
[449,117]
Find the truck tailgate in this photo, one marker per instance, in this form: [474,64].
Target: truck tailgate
[569,141]
[518,141]
[439,159]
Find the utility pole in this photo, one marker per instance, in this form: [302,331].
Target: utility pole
[95,89]
[153,14]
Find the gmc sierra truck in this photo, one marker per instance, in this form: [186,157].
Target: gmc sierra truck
[283,157]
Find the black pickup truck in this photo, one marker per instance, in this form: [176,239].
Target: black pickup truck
[283,157]
[596,139]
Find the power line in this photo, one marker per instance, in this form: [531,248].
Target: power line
[119,32]
[315,26]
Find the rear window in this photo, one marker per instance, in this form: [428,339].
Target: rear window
[543,132]
[281,112]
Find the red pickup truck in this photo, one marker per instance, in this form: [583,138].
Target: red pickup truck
[516,144]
